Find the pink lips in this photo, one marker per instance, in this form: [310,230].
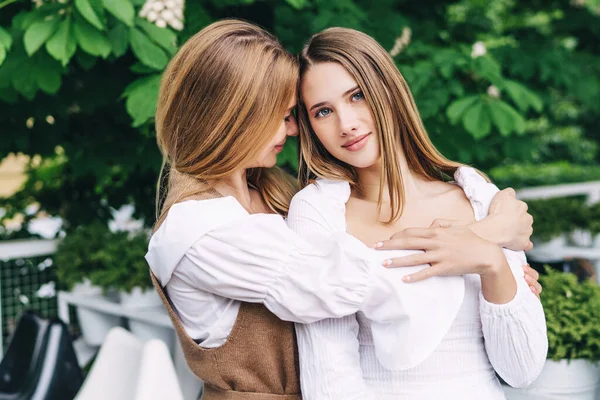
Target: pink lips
[356,143]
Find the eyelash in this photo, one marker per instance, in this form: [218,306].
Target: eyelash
[362,96]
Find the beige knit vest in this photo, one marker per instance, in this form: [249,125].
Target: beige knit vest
[259,360]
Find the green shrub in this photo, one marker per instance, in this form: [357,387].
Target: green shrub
[552,217]
[572,315]
[526,175]
[111,260]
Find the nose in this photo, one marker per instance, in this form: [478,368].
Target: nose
[291,127]
[349,121]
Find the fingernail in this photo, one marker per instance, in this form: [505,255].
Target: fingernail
[406,278]
[378,245]
[387,263]
[532,289]
[527,278]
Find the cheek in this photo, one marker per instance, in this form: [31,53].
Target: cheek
[325,134]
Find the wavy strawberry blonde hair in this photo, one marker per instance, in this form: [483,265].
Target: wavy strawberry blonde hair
[222,99]
[397,119]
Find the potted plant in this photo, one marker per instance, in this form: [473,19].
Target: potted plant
[126,271]
[573,319]
[76,261]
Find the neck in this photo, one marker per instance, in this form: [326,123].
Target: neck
[236,185]
[369,181]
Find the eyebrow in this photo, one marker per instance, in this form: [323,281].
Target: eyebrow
[347,92]
[292,108]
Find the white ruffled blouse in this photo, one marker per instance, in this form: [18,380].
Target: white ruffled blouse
[447,341]
[211,254]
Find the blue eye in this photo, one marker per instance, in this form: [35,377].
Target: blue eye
[358,96]
[323,112]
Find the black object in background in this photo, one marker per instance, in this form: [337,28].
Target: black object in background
[40,362]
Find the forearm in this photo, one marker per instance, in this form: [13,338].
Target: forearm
[490,230]
[498,283]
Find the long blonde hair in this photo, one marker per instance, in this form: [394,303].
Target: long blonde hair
[222,99]
[394,111]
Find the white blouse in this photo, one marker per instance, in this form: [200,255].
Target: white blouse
[447,344]
[211,254]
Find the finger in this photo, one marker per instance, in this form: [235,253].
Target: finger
[421,275]
[408,243]
[538,287]
[531,272]
[534,291]
[411,260]
[443,223]
[529,246]
[510,191]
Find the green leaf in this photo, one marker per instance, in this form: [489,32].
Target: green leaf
[458,107]
[146,51]
[90,39]
[487,67]
[85,60]
[523,97]
[503,116]
[140,68]
[2,54]
[23,83]
[477,121]
[62,44]
[297,4]
[121,9]
[47,76]
[5,39]
[89,11]
[142,96]
[118,39]
[38,33]
[164,37]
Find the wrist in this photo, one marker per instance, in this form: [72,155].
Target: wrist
[487,229]
[494,264]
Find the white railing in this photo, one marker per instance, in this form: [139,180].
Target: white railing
[560,250]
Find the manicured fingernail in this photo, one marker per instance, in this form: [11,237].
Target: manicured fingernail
[527,278]
[378,245]
[532,289]
[406,278]
[387,263]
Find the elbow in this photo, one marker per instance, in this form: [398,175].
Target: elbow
[527,372]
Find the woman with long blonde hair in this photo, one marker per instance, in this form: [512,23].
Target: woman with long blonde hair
[226,265]
[369,169]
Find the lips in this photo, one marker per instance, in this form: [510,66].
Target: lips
[356,140]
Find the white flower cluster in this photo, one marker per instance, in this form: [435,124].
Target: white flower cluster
[493,91]
[478,50]
[123,221]
[163,13]
[401,42]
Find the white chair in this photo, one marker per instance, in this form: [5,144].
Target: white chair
[128,369]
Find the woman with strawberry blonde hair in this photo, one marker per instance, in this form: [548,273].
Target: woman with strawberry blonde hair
[229,270]
[369,170]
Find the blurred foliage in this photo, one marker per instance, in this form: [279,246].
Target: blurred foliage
[110,260]
[563,215]
[497,83]
[572,311]
[524,175]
